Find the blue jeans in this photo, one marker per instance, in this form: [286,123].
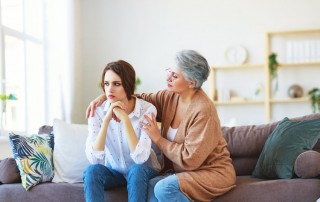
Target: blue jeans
[165,188]
[98,177]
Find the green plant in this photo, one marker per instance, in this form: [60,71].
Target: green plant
[273,69]
[315,99]
[273,65]
[137,83]
[4,98]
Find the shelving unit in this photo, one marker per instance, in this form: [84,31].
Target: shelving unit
[244,100]
[279,43]
[213,78]
[294,51]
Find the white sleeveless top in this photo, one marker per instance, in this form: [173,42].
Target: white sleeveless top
[171,133]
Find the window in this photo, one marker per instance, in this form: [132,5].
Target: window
[22,64]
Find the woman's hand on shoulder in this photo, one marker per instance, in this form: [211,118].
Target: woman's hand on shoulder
[94,104]
[151,127]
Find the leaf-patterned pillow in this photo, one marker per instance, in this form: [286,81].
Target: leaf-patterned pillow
[33,155]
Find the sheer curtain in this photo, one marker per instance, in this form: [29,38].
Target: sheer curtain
[64,71]
[40,57]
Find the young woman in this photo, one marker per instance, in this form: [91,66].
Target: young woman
[119,150]
[197,162]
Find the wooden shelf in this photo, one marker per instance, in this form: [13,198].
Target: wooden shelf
[243,66]
[215,69]
[242,102]
[307,31]
[289,100]
[311,64]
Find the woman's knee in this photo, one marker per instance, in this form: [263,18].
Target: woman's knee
[140,173]
[92,173]
[165,187]
[136,168]
[141,170]
[161,189]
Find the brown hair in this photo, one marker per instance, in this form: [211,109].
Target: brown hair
[127,74]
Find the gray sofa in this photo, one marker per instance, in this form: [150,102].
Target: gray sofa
[245,144]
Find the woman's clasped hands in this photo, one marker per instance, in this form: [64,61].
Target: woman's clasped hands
[117,111]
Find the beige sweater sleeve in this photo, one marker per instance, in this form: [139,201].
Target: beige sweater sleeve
[193,143]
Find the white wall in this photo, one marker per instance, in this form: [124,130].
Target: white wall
[147,33]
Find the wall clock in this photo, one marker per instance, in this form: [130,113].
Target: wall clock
[236,55]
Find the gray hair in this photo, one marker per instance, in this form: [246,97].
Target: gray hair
[193,66]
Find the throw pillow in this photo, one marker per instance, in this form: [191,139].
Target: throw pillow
[307,164]
[69,156]
[33,155]
[284,144]
[9,172]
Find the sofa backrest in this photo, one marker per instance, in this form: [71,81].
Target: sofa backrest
[245,143]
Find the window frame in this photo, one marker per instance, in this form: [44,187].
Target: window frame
[25,37]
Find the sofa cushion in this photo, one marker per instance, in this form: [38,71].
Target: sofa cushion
[307,164]
[56,192]
[288,140]
[69,156]
[249,189]
[253,137]
[45,129]
[33,155]
[9,172]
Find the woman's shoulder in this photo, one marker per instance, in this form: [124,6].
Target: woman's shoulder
[103,105]
[98,113]
[166,94]
[100,109]
[144,105]
[202,103]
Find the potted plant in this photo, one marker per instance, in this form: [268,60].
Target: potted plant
[273,69]
[137,83]
[315,99]
[4,98]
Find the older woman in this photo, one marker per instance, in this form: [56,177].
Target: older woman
[197,163]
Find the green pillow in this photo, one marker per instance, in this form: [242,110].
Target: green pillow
[284,144]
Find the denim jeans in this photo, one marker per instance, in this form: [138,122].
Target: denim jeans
[98,177]
[165,188]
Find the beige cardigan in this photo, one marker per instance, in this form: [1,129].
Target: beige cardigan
[199,152]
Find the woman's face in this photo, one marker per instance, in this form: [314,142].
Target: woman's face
[176,81]
[113,87]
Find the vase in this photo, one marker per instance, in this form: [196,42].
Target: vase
[3,123]
[295,91]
